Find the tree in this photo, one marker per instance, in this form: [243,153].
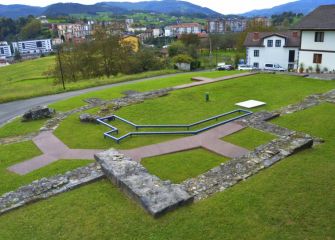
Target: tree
[190,39]
[17,55]
[31,30]
[176,48]
[182,58]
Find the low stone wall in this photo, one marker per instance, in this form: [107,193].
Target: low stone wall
[47,187]
[154,195]
[308,102]
[17,139]
[230,173]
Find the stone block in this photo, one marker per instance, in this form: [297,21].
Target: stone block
[39,112]
[154,195]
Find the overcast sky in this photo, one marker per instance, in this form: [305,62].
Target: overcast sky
[222,6]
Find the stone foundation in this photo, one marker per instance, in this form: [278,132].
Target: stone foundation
[154,195]
[230,173]
[47,187]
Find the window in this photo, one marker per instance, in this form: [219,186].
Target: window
[39,44]
[317,58]
[2,51]
[270,43]
[319,36]
[278,43]
[256,53]
[256,65]
[23,46]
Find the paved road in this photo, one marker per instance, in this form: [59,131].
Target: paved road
[12,109]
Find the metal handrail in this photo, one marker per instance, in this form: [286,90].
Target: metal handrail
[187,126]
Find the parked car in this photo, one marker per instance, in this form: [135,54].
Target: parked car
[246,67]
[223,67]
[274,67]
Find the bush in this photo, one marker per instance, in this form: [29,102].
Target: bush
[195,65]
[301,68]
[318,69]
[182,58]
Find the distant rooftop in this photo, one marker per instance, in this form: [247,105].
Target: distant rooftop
[322,18]
[185,25]
[255,39]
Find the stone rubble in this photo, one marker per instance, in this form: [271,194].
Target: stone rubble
[17,139]
[88,118]
[36,113]
[47,187]
[154,195]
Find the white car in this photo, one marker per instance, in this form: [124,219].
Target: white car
[246,67]
[274,67]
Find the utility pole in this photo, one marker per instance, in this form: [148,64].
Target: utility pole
[60,66]
[210,51]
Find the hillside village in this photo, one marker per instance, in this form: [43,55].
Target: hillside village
[83,31]
[118,123]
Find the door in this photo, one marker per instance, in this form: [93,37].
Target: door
[291,56]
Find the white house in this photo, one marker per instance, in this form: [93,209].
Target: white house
[33,46]
[273,48]
[183,28]
[5,51]
[318,38]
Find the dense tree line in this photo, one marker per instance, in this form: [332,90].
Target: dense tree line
[106,56]
[23,28]
[285,19]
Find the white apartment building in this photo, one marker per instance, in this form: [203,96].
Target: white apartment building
[280,48]
[183,28]
[5,51]
[33,46]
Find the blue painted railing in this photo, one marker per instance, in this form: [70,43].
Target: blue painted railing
[115,130]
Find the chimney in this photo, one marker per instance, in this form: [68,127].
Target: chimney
[256,36]
[295,34]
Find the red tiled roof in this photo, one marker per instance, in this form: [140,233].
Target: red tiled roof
[292,38]
[185,25]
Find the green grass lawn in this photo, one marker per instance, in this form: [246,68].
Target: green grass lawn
[249,138]
[28,79]
[188,105]
[116,92]
[16,127]
[294,199]
[18,152]
[32,69]
[180,166]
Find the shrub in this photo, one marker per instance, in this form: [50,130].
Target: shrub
[182,58]
[318,69]
[301,68]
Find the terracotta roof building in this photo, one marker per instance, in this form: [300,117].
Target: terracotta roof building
[256,39]
[272,48]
